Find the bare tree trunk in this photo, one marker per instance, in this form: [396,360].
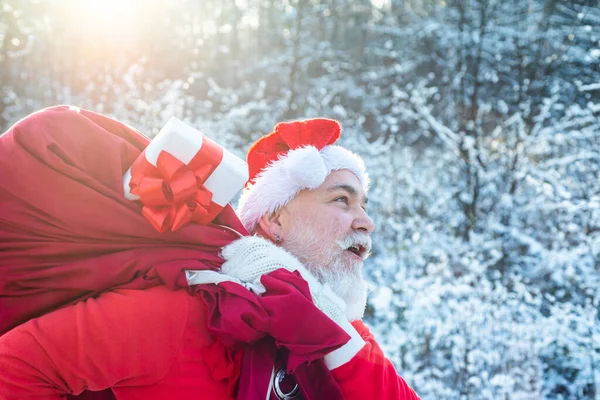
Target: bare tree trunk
[592,363]
[235,16]
[398,10]
[483,20]
[362,19]
[468,121]
[234,44]
[292,106]
[461,65]
[335,29]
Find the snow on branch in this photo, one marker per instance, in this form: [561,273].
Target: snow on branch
[571,159]
[590,87]
[535,247]
[451,139]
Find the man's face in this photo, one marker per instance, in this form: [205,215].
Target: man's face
[328,230]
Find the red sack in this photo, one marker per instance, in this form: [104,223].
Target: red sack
[67,232]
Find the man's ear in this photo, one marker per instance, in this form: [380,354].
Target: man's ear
[270,225]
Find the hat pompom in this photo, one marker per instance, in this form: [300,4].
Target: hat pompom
[305,167]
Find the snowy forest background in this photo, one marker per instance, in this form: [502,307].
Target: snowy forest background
[479,121]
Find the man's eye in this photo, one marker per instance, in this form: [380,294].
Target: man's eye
[342,199]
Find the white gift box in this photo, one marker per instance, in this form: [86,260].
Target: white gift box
[194,150]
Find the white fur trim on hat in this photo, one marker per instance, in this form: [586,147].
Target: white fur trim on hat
[301,168]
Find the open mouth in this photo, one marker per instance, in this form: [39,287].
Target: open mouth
[359,250]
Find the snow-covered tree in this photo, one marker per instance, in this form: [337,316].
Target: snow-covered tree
[479,121]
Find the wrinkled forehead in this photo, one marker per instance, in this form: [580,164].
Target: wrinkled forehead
[339,181]
[344,179]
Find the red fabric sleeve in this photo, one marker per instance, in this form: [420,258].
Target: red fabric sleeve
[145,344]
[369,375]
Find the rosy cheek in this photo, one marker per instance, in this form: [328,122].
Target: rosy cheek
[339,224]
[331,219]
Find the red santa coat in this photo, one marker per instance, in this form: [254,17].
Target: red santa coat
[152,344]
[67,234]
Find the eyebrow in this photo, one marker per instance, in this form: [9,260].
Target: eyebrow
[351,190]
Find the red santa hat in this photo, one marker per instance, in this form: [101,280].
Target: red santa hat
[295,156]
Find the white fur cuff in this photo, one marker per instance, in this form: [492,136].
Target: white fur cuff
[341,356]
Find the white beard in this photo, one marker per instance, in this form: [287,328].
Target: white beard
[348,285]
[344,280]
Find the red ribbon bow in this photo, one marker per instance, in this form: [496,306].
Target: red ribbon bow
[173,193]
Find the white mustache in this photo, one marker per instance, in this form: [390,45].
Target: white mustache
[357,239]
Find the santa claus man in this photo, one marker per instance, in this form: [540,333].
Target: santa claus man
[305,204]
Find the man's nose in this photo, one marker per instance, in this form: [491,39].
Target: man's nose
[362,222]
